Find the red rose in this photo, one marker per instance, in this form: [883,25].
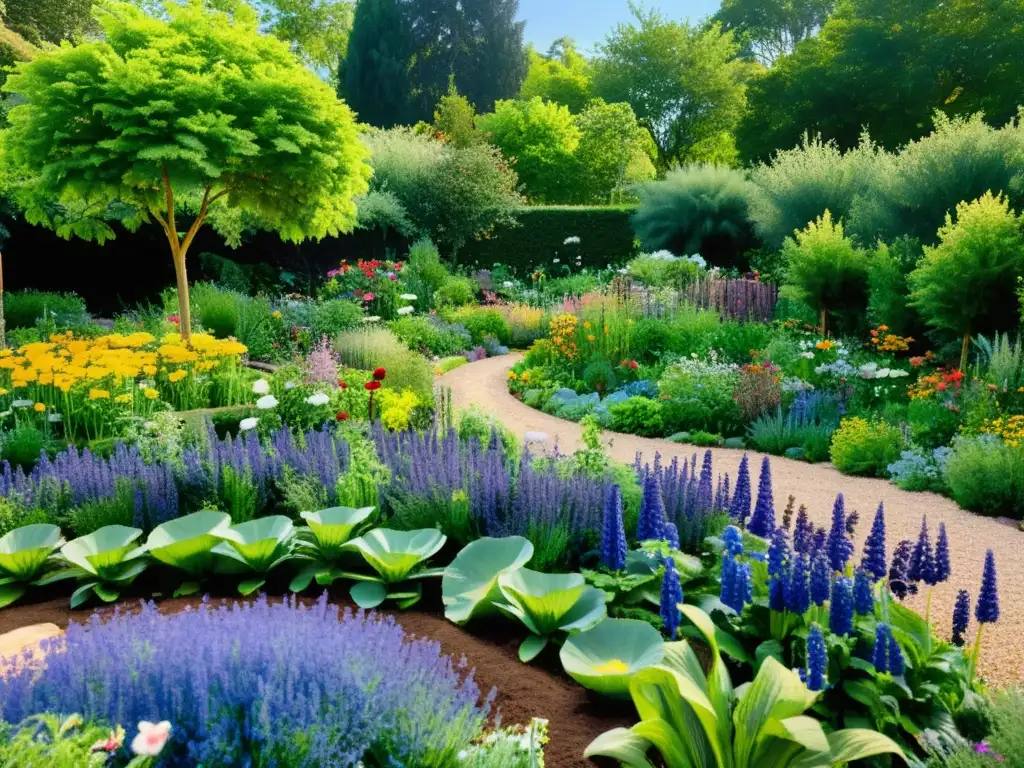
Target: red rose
[379,374]
[343,416]
[633,365]
[372,385]
[342,384]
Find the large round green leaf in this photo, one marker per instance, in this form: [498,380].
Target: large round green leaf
[187,543]
[546,602]
[394,554]
[104,549]
[603,658]
[469,586]
[24,550]
[259,544]
[334,527]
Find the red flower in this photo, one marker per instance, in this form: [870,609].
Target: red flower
[342,384]
[368,297]
[174,319]
[633,365]
[379,374]
[342,416]
[372,385]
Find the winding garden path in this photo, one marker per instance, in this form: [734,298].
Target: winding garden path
[816,485]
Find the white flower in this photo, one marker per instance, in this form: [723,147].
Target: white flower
[555,261]
[882,374]
[261,386]
[150,425]
[266,402]
[573,240]
[151,738]
[408,296]
[22,403]
[623,271]
[508,284]
[662,255]
[807,355]
[246,424]
[897,373]
[371,319]
[405,310]
[698,260]
[290,385]
[318,398]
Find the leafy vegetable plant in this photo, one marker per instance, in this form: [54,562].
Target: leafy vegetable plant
[469,586]
[548,603]
[604,657]
[23,557]
[188,544]
[255,547]
[396,556]
[322,544]
[105,561]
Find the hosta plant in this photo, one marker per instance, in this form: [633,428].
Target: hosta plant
[697,720]
[322,544]
[604,657]
[187,544]
[548,603]
[469,586]
[24,553]
[254,548]
[397,557]
[104,562]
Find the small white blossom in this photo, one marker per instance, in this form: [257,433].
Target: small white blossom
[405,310]
[571,240]
[508,284]
[261,386]
[371,319]
[318,398]
[555,261]
[290,385]
[408,296]
[246,424]
[266,402]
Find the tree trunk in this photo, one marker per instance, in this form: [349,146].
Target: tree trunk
[823,319]
[184,305]
[963,351]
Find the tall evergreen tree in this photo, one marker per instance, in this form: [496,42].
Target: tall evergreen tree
[374,77]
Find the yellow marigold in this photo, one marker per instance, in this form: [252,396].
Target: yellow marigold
[586,325]
[123,398]
[39,407]
[150,393]
[4,391]
[512,374]
[99,394]
[149,370]
[590,337]
[177,375]
[276,315]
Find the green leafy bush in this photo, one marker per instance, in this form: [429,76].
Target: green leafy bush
[455,291]
[888,269]
[256,327]
[985,475]
[216,309]
[427,335]
[1006,738]
[22,309]
[13,515]
[661,273]
[334,316]
[22,446]
[735,341]
[54,741]
[697,395]
[369,348]
[482,322]
[701,209]
[424,273]
[861,447]
[638,416]
[932,424]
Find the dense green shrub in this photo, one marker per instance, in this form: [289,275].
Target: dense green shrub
[368,348]
[656,272]
[455,291]
[638,416]
[735,340]
[1005,738]
[334,316]
[23,308]
[431,337]
[13,515]
[888,292]
[701,209]
[22,446]
[931,423]
[985,475]
[256,327]
[215,308]
[424,273]
[861,447]
[606,238]
[699,395]
[482,322]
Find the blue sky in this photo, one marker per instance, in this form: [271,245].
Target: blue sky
[588,21]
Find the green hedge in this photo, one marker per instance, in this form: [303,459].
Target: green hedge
[606,238]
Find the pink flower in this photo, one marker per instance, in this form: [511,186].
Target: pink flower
[174,319]
[368,296]
[392,276]
[151,738]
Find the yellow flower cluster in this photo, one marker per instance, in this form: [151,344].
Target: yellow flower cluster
[562,333]
[1010,429]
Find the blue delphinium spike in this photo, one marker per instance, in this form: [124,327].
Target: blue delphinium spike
[762,523]
[613,535]
[741,586]
[733,539]
[798,596]
[987,609]
[895,657]
[817,660]
[837,535]
[726,498]
[840,616]
[874,563]
[863,594]
[672,535]
[817,542]
[851,522]
[777,593]
[705,490]
[802,530]
[961,617]
[943,568]
[727,579]
[651,522]
[922,564]
[671,597]
[739,505]
[778,553]
[880,656]
[899,583]
[820,579]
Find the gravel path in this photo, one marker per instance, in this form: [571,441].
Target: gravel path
[816,485]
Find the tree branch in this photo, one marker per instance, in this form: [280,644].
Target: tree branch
[200,218]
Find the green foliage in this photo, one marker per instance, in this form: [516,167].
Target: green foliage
[684,84]
[767,31]
[13,515]
[216,309]
[396,557]
[455,119]
[374,76]
[103,563]
[638,416]
[698,209]
[49,21]
[798,185]
[542,137]
[888,269]
[482,322]
[469,585]
[455,291]
[605,233]
[24,553]
[604,657]
[119,509]
[734,340]
[662,273]
[987,476]
[966,283]
[563,76]
[22,446]
[861,447]
[334,316]
[449,194]
[424,273]
[425,335]
[699,396]
[826,268]
[888,67]
[932,424]
[1005,738]
[370,348]
[255,547]
[614,152]
[53,741]
[22,309]
[187,545]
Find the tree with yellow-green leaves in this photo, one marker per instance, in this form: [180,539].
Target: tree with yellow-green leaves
[180,120]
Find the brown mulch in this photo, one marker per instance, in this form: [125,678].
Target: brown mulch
[525,691]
